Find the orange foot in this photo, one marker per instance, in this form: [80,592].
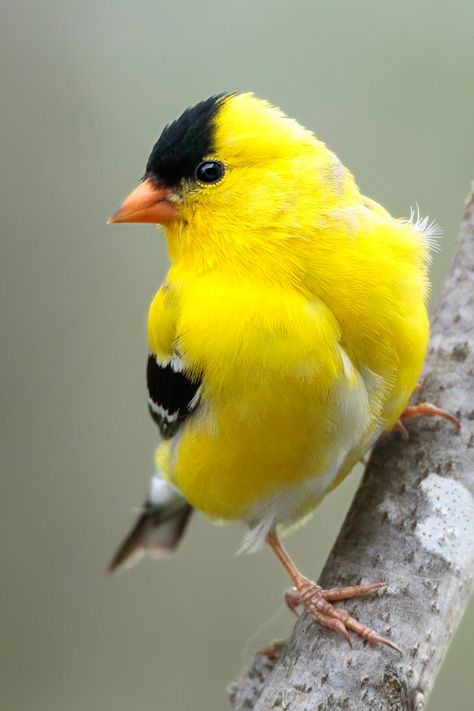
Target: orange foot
[423,408]
[318,603]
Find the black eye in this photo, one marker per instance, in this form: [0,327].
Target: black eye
[209,171]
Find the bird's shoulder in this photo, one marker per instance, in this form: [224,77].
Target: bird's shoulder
[224,323]
[173,387]
[162,323]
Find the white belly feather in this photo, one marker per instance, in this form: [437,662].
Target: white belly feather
[356,403]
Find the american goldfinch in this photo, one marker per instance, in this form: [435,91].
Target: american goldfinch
[289,333]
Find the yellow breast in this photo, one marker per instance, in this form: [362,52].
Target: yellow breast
[284,409]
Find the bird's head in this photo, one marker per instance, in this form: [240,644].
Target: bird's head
[234,174]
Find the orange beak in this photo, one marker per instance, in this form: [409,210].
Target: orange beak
[149,202]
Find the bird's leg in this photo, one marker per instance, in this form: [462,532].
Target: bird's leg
[317,601]
[426,408]
[423,408]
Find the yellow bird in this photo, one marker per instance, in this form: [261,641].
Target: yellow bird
[289,333]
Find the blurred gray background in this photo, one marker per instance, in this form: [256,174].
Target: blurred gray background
[85,89]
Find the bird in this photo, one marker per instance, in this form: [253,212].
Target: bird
[287,336]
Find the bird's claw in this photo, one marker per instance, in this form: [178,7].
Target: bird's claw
[317,602]
[400,427]
[426,408]
[423,408]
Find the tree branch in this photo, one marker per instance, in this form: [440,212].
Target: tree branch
[411,524]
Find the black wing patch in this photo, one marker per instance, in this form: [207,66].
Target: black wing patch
[172,395]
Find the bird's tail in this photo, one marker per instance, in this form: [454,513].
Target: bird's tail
[159,527]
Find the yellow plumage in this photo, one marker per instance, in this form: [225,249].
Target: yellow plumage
[301,305]
[288,335]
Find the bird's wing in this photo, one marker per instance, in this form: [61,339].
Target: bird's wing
[172,393]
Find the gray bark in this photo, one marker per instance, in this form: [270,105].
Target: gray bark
[411,524]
